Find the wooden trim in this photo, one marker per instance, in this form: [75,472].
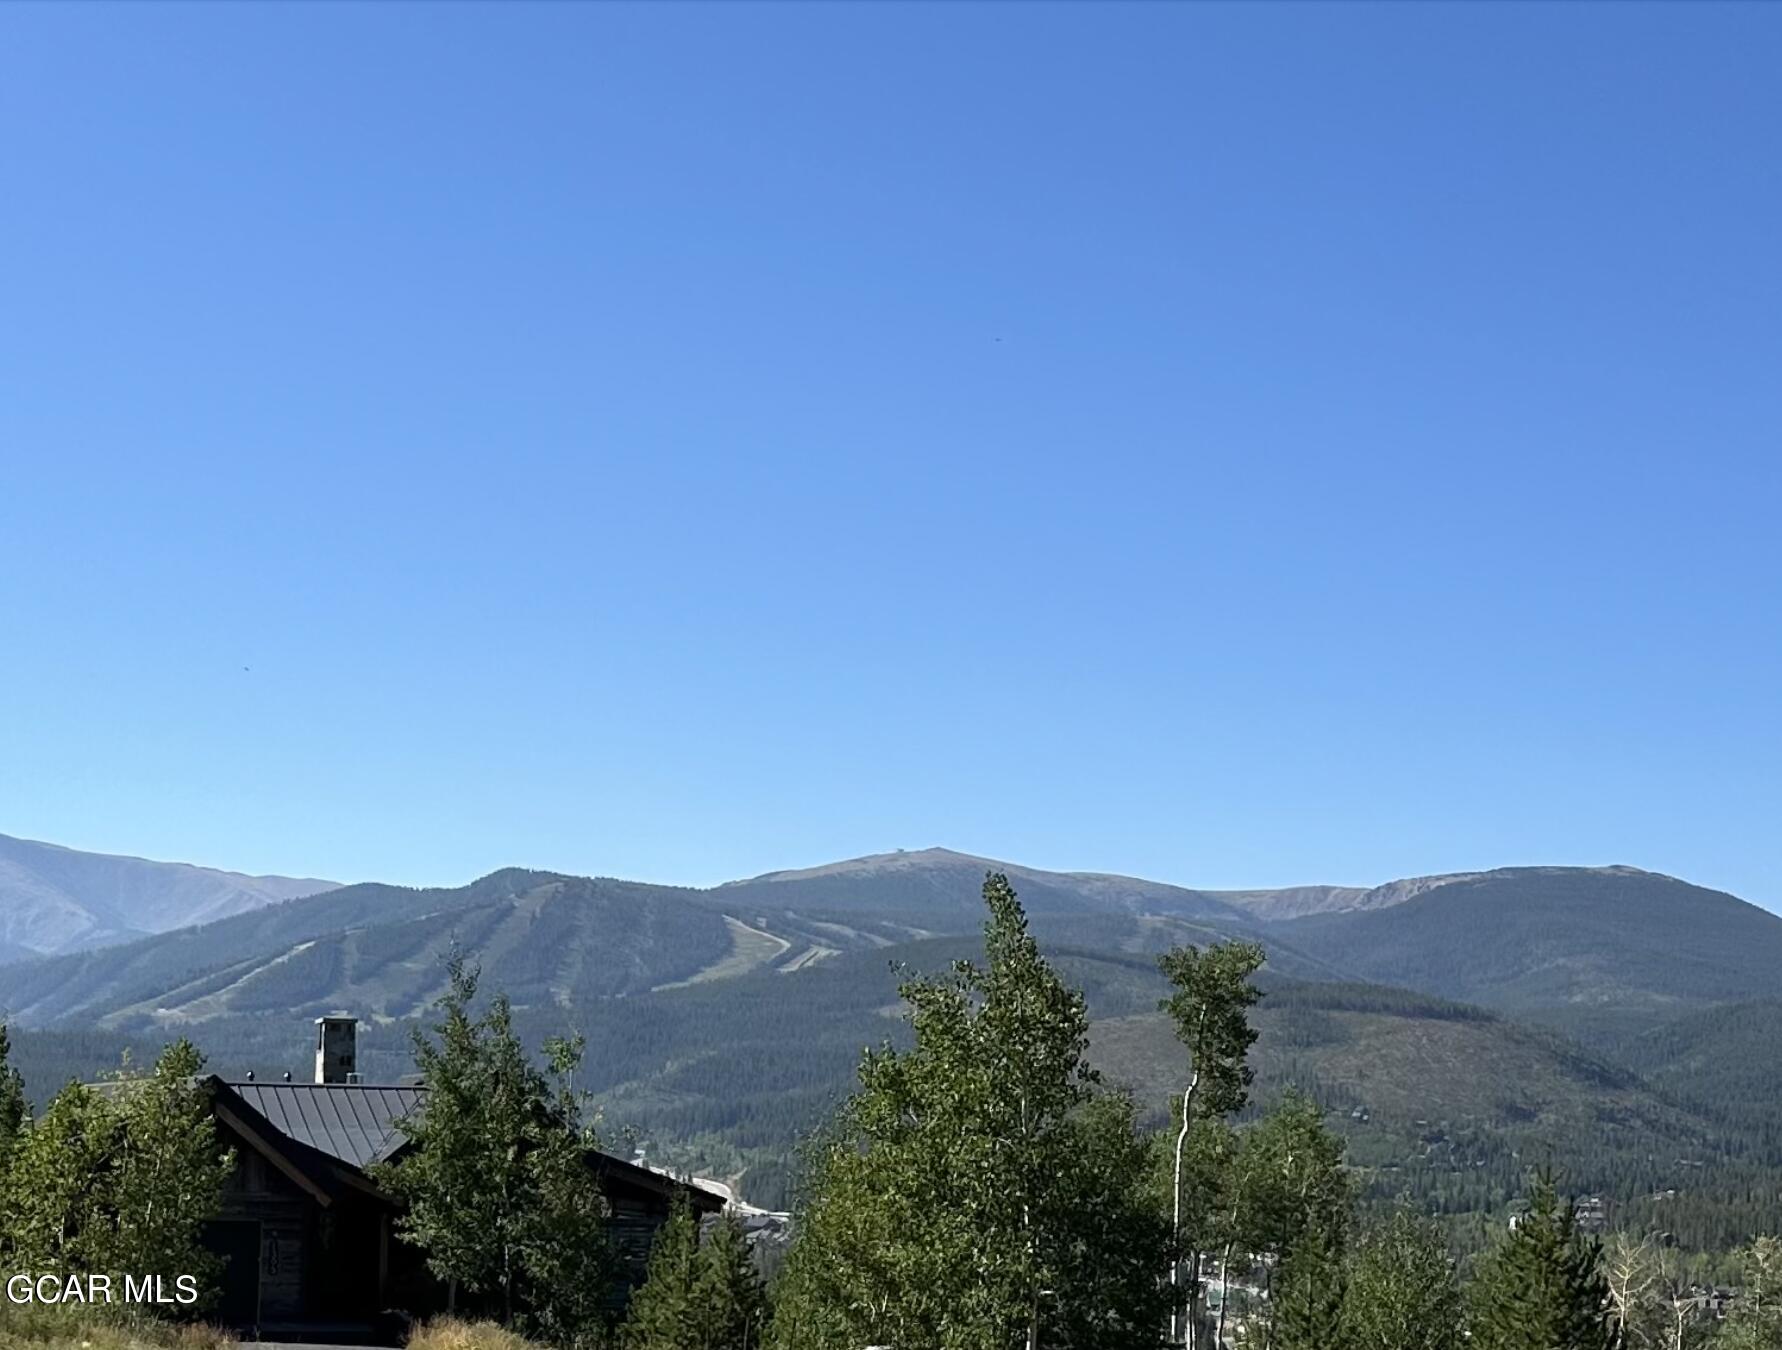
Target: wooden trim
[349,1175]
[271,1154]
[658,1183]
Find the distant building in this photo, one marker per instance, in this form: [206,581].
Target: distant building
[1592,1212]
[309,1239]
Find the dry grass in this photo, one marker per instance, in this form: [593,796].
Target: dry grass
[35,1327]
[448,1333]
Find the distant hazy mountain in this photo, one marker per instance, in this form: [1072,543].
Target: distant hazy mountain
[55,899]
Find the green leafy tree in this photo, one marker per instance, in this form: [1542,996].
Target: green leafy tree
[1290,1188]
[1401,1292]
[171,1173]
[499,1190]
[979,1192]
[121,1178]
[1209,1003]
[1542,1286]
[1107,1234]
[1755,1320]
[61,1192]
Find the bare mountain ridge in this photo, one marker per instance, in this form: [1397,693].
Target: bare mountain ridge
[55,899]
[929,877]
[929,870]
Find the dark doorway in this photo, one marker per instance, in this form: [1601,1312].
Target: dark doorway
[237,1242]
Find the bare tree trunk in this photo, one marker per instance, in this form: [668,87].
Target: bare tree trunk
[1187,1336]
[1224,1296]
[1268,1296]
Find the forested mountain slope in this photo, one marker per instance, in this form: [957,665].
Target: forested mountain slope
[1559,942]
[1442,1102]
[380,951]
[1725,1060]
[548,938]
[1601,951]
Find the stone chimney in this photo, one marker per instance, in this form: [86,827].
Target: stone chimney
[337,1050]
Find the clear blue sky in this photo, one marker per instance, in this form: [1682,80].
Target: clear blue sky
[1232,445]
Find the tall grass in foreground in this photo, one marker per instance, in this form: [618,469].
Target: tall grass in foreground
[449,1333]
[37,1327]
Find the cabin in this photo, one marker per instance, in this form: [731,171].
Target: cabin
[309,1240]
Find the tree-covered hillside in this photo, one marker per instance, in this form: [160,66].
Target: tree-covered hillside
[1564,943]
[379,950]
[1445,1103]
[723,1023]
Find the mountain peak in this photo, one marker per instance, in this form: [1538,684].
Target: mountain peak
[897,860]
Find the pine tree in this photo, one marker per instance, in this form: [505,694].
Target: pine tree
[729,1293]
[12,1101]
[1542,1287]
[1308,1302]
[665,1312]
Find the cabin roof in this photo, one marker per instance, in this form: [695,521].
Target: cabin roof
[359,1124]
[353,1123]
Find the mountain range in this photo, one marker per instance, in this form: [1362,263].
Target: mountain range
[1456,1024]
[141,944]
[55,899]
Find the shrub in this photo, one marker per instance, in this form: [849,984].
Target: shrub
[450,1333]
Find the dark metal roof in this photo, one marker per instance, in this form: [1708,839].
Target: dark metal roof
[359,1124]
[352,1122]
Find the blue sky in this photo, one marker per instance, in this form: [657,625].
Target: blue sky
[1239,446]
